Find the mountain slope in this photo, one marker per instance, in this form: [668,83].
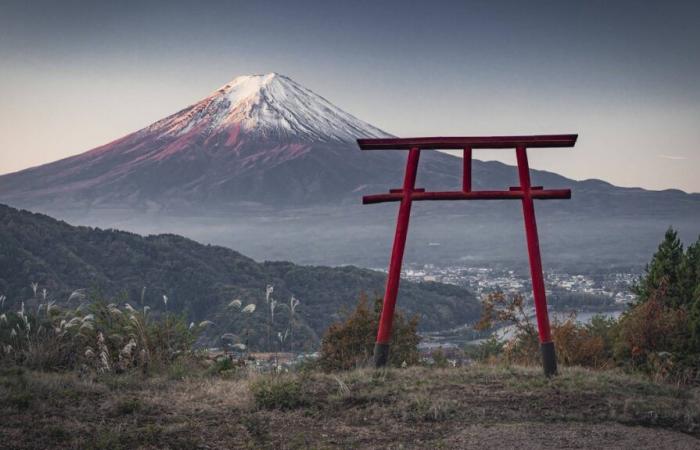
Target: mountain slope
[264,139]
[262,163]
[261,138]
[199,280]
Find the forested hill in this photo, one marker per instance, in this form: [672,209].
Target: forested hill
[199,280]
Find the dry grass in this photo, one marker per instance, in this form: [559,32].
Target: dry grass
[478,406]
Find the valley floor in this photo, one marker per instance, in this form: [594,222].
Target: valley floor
[472,407]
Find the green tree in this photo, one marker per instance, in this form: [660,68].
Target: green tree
[667,268]
[661,333]
[692,270]
[693,289]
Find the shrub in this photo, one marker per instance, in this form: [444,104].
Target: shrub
[488,350]
[224,367]
[500,309]
[350,344]
[653,337]
[661,333]
[272,392]
[439,358]
[576,344]
[607,329]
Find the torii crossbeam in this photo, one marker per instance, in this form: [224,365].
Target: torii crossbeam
[524,192]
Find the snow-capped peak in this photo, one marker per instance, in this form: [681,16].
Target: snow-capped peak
[270,106]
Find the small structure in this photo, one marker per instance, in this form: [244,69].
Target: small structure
[524,192]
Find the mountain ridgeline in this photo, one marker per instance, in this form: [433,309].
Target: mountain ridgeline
[199,280]
[270,168]
[267,140]
[259,138]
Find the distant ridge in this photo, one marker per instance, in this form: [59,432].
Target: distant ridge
[262,145]
[199,280]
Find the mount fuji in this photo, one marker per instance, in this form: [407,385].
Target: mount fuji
[259,138]
[268,167]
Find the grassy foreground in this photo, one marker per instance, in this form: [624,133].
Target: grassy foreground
[472,407]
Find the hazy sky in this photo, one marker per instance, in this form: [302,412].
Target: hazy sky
[624,75]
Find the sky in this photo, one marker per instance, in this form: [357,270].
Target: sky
[624,75]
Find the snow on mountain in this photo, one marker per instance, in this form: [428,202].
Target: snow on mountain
[259,138]
[263,144]
[272,106]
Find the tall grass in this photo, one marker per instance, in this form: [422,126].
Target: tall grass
[94,336]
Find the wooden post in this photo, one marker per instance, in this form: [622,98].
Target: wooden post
[381,347]
[467,170]
[549,360]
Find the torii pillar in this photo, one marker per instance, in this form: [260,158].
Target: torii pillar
[524,192]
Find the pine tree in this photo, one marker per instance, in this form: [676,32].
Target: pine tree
[667,268]
[693,290]
[692,271]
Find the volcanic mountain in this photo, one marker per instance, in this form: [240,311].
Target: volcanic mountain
[259,138]
[262,164]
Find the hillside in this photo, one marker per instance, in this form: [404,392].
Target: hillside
[472,407]
[199,280]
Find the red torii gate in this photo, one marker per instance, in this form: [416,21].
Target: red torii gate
[525,192]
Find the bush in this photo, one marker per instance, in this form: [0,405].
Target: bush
[272,392]
[350,344]
[654,337]
[440,358]
[500,309]
[576,344]
[224,367]
[488,350]
[661,333]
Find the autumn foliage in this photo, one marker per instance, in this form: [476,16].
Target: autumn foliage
[350,343]
[575,344]
[658,335]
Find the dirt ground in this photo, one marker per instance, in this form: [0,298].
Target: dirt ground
[472,407]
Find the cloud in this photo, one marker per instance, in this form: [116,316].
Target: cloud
[672,157]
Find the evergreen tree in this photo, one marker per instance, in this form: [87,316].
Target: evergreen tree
[693,289]
[666,269]
[692,271]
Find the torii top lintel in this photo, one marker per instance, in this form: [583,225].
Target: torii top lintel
[467,144]
[473,142]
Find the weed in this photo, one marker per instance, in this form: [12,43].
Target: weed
[277,393]
[426,409]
